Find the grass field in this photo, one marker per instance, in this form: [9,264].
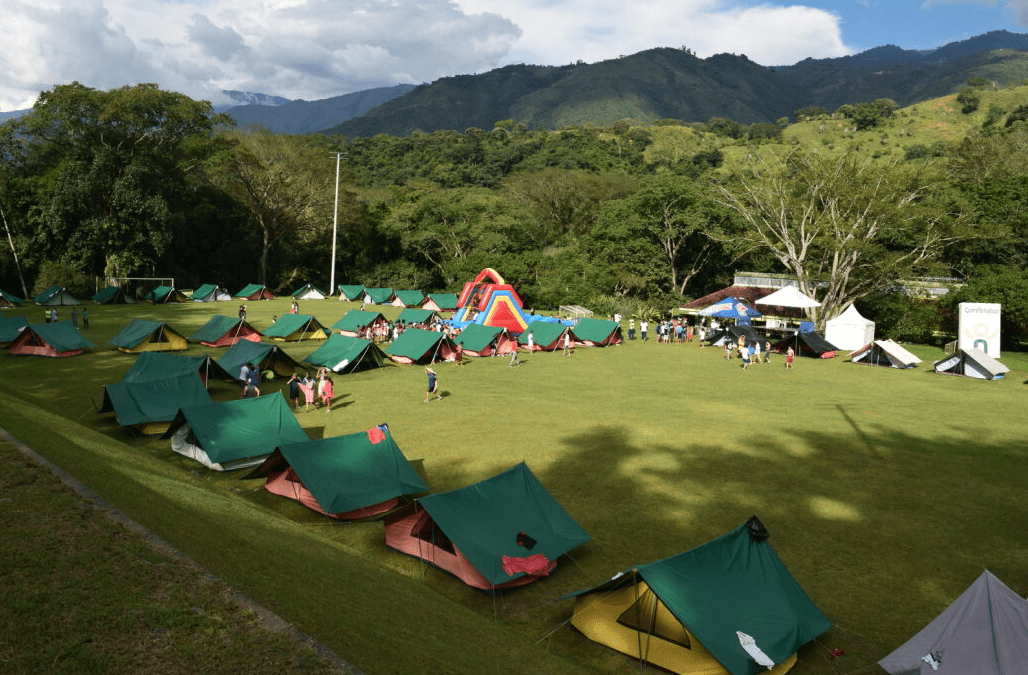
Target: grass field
[886,492]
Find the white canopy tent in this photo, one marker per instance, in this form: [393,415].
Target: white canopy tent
[789,296]
[849,330]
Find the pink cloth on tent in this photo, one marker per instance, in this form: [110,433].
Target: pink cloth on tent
[376,436]
[533,564]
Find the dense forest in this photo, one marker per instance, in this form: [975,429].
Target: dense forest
[626,217]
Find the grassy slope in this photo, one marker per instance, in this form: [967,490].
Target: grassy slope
[886,492]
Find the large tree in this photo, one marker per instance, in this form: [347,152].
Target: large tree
[846,225]
[107,170]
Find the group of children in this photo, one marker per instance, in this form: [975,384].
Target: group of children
[322,389]
[750,352]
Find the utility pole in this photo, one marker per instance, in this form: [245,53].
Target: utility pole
[335,227]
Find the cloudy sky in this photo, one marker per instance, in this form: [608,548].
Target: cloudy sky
[315,49]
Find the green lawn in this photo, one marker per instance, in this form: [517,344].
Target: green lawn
[886,492]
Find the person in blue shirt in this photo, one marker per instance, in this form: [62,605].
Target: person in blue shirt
[433,385]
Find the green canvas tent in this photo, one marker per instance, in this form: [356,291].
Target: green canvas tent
[415,315]
[440,302]
[408,298]
[149,406]
[358,321]
[416,345]
[234,434]
[143,335]
[346,354]
[165,294]
[50,339]
[346,477]
[8,300]
[223,331]
[295,327]
[309,292]
[56,295]
[10,327]
[546,335]
[378,296]
[727,606]
[269,358]
[591,332]
[478,340]
[210,293]
[112,295]
[160,366]
[499,533]
[352,292]
[255,292]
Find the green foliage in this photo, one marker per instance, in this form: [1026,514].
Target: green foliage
[1003,285]
[1019,114]
[903,317]
[63,273]
[969,100]
[810,112]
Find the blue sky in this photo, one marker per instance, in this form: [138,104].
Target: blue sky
[315,49]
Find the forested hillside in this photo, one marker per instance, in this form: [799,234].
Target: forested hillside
[627,217]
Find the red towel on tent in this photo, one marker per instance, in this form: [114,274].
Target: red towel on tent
[376,436]
[533,564]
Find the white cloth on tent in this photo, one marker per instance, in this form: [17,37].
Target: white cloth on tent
[789,296]
[750,645]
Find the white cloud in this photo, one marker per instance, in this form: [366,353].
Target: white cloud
[1018,8]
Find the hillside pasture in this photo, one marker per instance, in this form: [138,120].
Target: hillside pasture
[886,492]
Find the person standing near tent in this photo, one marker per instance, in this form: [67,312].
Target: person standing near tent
[631,330]
[514,360]
[327,392]
[85,317]
[767,352]
[531,341]
[74,317]
[433,385]
[53,316]
[744,351]
[306,386]
[643,326]
[755,351]
[294,391]
[242,312]
[569,344]
[789,356]
[254,385]
[46,315]
[244,377]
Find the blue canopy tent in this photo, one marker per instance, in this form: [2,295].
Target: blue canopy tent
[730,308]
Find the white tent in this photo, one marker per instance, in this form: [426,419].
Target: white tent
[884,353]
[789,296]
[972,363]
[849,330]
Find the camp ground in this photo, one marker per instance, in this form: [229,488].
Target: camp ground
[971,362]
[210,293]
[351,292]
[477,340]
[255,292]
[502,532]
[590,332]
[9,300]
[984,631]
[10,327]
[358,322]
[413,315]
[346,477]
[309,292]
[165,294]
[143,335]
[112,295]
[269,358]
[546,336]
[225,331]
[726,607]
[850,331]
[56,295]
[160,365]
[440,302]
[408,298]
[296,327]
[346,354]
[49,339]
[884,353]
[806,342]
[378,296]
[149,406]
[234,434]
[417,345]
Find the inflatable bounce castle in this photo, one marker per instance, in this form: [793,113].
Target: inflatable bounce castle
[490,302]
